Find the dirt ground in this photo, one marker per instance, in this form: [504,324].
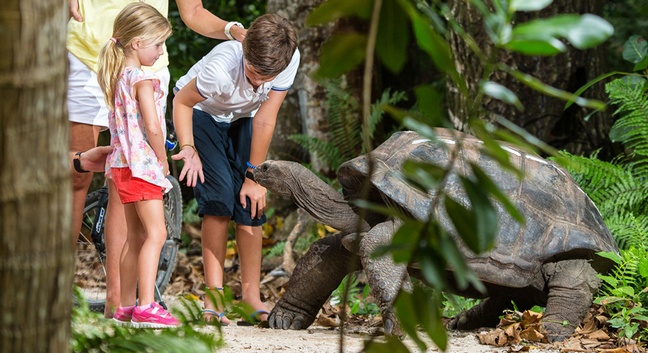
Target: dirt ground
[324,335]
[325,340]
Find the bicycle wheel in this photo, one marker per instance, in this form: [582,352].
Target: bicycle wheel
[173,219]
[90,265]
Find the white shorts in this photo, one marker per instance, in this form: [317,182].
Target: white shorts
[85,99]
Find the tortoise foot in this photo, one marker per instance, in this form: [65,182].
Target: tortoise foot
[283,319]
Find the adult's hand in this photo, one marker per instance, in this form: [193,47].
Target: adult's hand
[192,168]
[74,10]
[257,195]
[94,159]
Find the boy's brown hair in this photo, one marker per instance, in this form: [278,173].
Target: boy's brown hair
[269,44]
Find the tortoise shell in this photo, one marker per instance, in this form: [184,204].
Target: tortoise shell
[561,222]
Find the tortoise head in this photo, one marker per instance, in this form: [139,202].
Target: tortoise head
[320,200]
[280,177]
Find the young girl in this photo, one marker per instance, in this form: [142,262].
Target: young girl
[138,165]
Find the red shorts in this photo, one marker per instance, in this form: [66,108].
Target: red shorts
[131,189]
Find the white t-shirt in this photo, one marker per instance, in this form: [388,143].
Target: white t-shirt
[220,79]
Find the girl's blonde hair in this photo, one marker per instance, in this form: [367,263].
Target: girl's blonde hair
[136,20]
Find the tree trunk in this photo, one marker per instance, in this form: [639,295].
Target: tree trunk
[304,110]
[36,258]
[543,116]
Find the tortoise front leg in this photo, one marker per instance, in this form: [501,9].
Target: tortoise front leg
[317,274]
[384,276]
[572,285]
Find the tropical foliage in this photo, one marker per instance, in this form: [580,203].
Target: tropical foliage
[391,23]
[619,188]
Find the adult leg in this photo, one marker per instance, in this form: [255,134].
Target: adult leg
[248,242]
[115,237]
[153,236]
[214,248]
[82,138]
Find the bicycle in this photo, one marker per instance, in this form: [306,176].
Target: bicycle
[90,267]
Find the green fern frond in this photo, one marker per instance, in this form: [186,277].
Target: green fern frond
[344,129]
[378,109]
[624,274]
[629,230]
[631,129]
[327,152]
[612,187]
[344,119]
[620,193]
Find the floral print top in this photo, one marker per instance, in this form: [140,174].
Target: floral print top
[128,132]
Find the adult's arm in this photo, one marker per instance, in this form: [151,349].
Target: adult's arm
[199,19]
[74,10]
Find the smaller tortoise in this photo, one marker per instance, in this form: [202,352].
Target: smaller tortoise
[549,261]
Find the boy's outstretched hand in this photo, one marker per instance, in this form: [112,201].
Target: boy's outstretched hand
[257,195]
[192,168]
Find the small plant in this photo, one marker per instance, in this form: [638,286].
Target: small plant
[92,333]
[359,300]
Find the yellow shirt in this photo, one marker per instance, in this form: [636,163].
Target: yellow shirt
[85,39]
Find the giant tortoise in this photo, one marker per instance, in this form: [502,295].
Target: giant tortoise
[550,260]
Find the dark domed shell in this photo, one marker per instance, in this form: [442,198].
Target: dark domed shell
[561,220]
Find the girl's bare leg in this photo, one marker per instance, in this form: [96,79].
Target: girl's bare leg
[152,237]
[129,257]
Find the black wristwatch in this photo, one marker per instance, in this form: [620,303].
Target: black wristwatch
[250,175]
[77,163]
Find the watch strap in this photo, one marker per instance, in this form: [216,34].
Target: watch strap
[228,27]
[77,163]
[250,175]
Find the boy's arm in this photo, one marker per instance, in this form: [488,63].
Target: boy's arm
[145,96]
[183,104]
[199,19]
[263,126]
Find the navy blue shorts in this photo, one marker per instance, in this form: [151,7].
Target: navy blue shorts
[224,148]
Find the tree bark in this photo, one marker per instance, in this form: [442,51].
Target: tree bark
[304,110]
[543,116]
[36,258]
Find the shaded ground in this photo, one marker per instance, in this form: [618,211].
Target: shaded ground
[324,336]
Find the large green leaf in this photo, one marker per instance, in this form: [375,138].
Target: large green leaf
[536,46]
[641,65]
[407,310]
[340,54]
[485,215]
[551,91]
[588,85]
[502,93]
[635,49]
[528,5]
[331,10]
[430,103]
[393,36]
[582,31]
[432,43]
[492,188]
[464,222]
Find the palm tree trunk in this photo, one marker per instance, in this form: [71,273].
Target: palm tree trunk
[36,258]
